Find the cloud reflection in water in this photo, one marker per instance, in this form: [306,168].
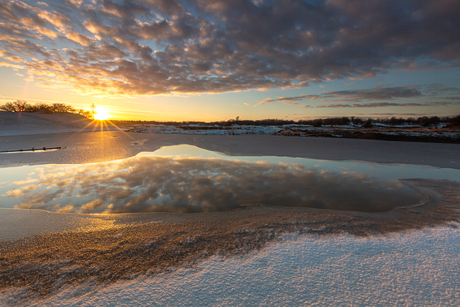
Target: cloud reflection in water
[159,184]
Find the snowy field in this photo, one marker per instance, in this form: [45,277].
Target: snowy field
[409,257]
[415,268]
[302,130]
[33,123]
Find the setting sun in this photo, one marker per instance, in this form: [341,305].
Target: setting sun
[101,114]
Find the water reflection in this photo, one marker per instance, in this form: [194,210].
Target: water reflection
[161,184]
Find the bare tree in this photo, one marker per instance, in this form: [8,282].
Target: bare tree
[62,107]
[85,113]
[93,110]
[15,106]
[9,107]
[20,105]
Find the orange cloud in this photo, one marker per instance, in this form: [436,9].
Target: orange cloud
[79,38]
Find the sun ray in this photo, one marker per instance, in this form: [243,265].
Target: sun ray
[95,124]
[121,130]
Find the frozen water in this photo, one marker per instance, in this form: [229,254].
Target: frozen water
[187,179]
[417,268]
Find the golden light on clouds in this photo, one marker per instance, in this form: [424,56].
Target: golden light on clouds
[166,49]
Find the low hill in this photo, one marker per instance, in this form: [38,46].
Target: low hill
[23,123]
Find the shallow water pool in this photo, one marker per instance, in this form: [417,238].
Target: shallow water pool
[186,179]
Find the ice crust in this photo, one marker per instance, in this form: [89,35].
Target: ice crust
[415,268]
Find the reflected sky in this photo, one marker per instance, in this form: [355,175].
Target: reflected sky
[384,171]
[187,179]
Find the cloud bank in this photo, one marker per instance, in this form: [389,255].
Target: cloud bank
[149,47]
[383,93]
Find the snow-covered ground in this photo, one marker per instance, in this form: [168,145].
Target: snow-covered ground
[30,123]
[33,123]
[207,130]
[416,268]
[297,130]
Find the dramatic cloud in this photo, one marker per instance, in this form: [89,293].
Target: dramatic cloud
[149,47]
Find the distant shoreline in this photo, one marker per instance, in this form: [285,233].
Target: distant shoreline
[377,133]
[32,123]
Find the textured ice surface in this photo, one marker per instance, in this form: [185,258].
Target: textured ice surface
[417,268]
[413,268]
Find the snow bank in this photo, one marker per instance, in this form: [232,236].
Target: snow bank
[296,130]
[418,268]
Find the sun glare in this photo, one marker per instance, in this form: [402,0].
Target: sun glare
[101,114]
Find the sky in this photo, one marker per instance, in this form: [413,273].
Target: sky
[188,60]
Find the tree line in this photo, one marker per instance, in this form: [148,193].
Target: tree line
[424,121]
[24,106]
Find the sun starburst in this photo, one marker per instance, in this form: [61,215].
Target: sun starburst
[101,114]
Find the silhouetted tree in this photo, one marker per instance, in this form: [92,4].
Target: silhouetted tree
[9,107]
[455,121]
[368,123]
[317,122]
[15,106]
[93,110]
